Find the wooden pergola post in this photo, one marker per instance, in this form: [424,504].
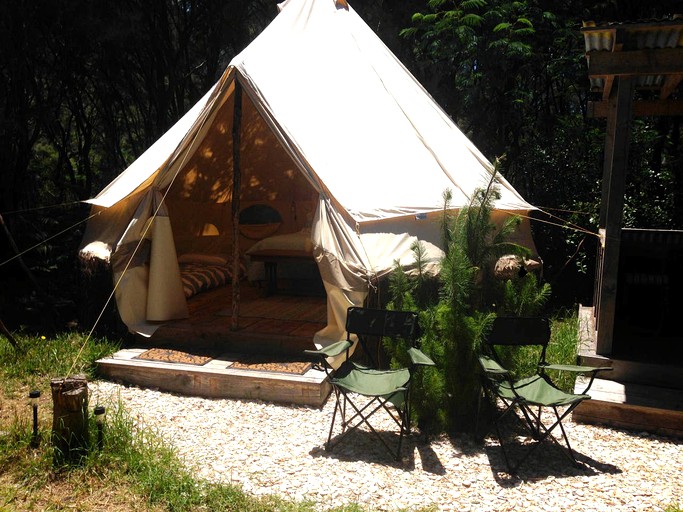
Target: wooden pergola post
[617,142]
[616,71]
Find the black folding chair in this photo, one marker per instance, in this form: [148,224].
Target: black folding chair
[529,396]
[388,390]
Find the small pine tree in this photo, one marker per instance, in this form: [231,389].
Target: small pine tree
[446,397]
[524,296]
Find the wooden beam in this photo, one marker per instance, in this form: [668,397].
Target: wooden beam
[617,46]
[632,28]
[670,84]
[653,108]
[607,89]
[656,61]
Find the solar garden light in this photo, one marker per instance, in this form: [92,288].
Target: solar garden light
[99,412]
[33,399]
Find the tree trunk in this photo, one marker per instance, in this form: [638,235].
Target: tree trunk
[70,435]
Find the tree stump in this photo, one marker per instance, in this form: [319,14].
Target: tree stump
[70,436]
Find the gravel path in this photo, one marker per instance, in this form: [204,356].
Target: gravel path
[275,449]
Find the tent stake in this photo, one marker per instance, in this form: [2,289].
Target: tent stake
[236,185]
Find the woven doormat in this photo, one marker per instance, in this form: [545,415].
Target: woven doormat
[269,364]
[168,355]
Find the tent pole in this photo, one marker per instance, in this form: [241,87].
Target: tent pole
[236,185]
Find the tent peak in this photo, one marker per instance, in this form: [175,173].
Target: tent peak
[339,4]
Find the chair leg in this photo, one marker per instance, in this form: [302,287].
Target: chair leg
[363,418]
[531,420]
[484,397]
[340,407]
[510,408]
[476,420]
[547,434]
[406,413]
[564,434]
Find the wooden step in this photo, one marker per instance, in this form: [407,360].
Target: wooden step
[638,372]
[667,373]
[216,379]
[638,407]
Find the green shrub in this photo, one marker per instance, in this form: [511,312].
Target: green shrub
[562,349]
[456,314]
[523,296]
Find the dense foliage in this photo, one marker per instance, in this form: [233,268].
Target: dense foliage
[456,317]
[86,87]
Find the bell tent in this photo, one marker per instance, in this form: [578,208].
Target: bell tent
[331,132]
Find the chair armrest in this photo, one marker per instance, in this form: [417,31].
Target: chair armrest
[491,366]
[575,368]
[592,370]
[419,358]
[330,351]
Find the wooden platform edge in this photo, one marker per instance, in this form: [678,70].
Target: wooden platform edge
[630,417]
[632,407]
[218,382]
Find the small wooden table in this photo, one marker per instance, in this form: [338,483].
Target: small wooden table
[271,258]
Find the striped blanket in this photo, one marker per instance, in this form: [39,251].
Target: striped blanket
[198,278]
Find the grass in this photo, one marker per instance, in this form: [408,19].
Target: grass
[135,471]
[562,349]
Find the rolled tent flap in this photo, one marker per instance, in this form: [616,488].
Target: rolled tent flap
[338,301]
[342,266]
[165,297]
[131,274]
[131,299]
[348,262]
[146,273]
[338,250]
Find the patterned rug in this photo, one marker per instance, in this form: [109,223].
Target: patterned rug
[302,309]
[266,363]
[168,355]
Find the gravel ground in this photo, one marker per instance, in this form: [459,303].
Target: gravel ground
[274,449]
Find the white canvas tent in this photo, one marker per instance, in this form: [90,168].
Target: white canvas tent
[335,133]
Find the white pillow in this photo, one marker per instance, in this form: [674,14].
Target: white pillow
[300,241]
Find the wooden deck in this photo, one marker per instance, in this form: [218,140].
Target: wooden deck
[636,395]
[632,406]
[278,325]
